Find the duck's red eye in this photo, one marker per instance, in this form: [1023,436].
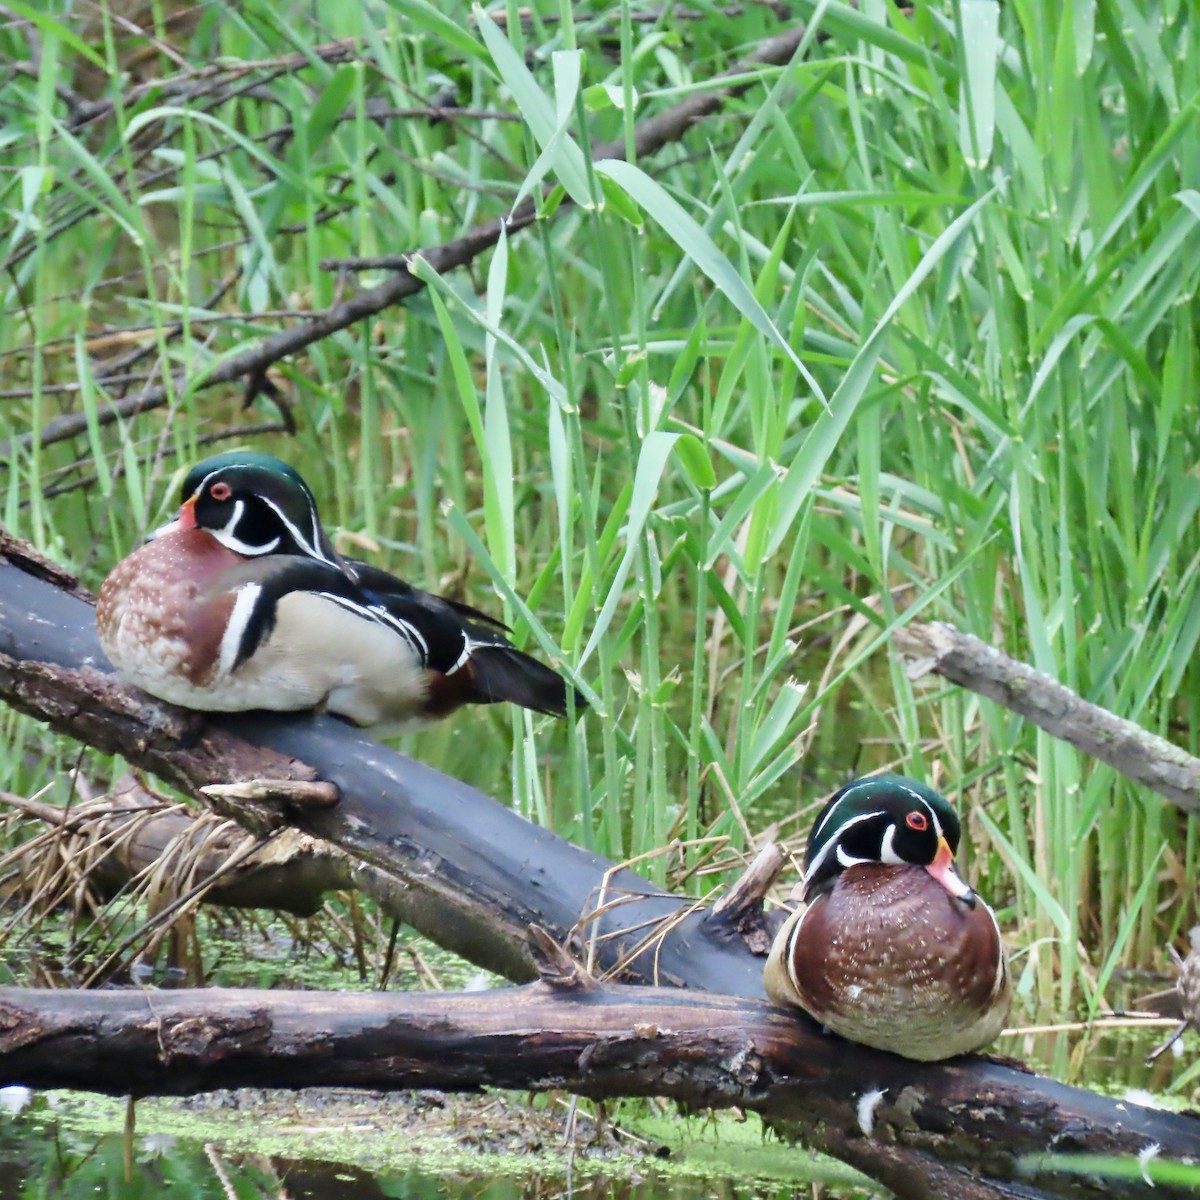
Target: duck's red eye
[917,821]
[220,491]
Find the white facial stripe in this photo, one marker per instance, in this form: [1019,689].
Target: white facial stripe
[825,821]
[229,539]
[220,470]
[833,841]
[243,548]
[311,548]
[937,825]
[235,630]
[848,860]
[204,483]
[246,466]
[887,851]
[871,780]
[232,523]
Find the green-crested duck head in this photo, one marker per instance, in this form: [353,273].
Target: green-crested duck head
[254,504]
[887,819]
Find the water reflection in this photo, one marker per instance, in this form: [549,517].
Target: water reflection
[44,1156]
[320,1181]
[1109,1054]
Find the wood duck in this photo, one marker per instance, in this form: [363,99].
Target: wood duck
[891,947]
[242,602]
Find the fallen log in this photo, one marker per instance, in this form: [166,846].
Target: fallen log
[883,1114]
[474,876]
[461,869]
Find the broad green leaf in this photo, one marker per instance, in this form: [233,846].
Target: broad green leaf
[1084,12]
[539,114]
[980,24]
[1138,1168]
[829,425]
[696,461]
[777,722]
[421,268]
[1038,887]
[331,103]
[656,449]
[1115,952]
[498,463]
[568,65]
[443,28]
[275,167]
[688,235]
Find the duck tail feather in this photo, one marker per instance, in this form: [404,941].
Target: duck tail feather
[504,673]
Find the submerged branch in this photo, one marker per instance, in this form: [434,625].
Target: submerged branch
[966,660]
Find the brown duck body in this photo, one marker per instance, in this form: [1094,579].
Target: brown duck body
[164,615]
[889,958]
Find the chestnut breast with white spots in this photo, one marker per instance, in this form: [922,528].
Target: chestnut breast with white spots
[888,958]
[160,623]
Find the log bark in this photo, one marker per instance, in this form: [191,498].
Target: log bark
[474,876]
[971,663]
[704,1050]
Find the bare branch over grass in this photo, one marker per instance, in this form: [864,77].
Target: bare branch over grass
[966,660]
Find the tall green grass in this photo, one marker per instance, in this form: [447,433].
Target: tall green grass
[906,333]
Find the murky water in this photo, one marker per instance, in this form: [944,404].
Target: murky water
[69,1146]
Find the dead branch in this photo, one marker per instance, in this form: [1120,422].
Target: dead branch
[742,906]
[963,659]
[952,1130]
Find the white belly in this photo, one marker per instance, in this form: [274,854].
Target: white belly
[318,654]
